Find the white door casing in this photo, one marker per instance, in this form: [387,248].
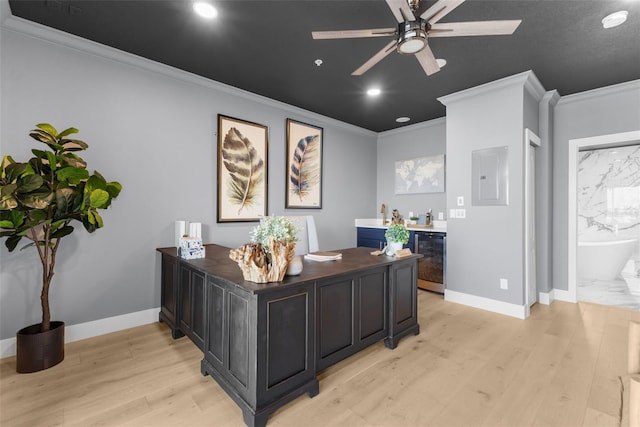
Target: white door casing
[531,142]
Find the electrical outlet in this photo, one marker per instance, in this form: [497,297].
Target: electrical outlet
[460,201]
[504,284]
[440,216]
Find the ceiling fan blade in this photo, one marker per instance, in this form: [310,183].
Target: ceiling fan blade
[428,61]
[352,34]
[375,59]
[401,10]
[439,10]
[480,28]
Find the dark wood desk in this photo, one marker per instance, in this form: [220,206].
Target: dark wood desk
[265,343]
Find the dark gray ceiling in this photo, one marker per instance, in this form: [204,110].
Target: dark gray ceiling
[265,47]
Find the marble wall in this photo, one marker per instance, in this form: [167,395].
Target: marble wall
[609,194]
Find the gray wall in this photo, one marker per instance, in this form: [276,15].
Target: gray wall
[152,128]
[613,109]
[488,244]
[419,140]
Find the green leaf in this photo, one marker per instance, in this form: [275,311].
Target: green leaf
[6,161]
[7,199]
[47,138]
[64,231]
[53,161]
[73,160]
[95,182]
[38,215]
[114,188]
[71,174]
[67,132]
[14,171]
[12,242]
[41,154]
[98,219]
[6,224]
[99,198]
[88,225]
[7,190]
[64,200]
[17,218]
[90,217]
[74,145]
[37,200]
[30,183]
[47,128]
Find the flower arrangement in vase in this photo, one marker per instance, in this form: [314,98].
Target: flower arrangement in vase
[396,235]
[272,247]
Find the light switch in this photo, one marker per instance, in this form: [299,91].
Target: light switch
[440,216]
[460,201]
[461,213]
[452,213]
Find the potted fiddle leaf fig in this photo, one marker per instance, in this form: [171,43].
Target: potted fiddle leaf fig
[39,200]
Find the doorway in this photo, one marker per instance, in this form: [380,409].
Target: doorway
[604,232]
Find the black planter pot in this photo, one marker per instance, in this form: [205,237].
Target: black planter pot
[37,351]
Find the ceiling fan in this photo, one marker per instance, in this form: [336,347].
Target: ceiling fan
[413,32]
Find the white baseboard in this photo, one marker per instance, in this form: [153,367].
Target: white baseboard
[501,307]
[562,295]
[93,328]
[546,298]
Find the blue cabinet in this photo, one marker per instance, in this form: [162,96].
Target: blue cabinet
[374,238]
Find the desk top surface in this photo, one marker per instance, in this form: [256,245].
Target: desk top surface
[218,263]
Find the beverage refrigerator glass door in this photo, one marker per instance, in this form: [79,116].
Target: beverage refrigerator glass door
[431,268]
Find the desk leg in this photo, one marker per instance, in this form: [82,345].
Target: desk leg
[254,420]
[175,332]
[392,342]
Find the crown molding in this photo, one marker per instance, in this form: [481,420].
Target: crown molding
[520,79]
[595,93]
[88,47]
[534,87]
[440,121]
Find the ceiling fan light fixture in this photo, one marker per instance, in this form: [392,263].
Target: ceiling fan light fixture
[412,37]
[615,19]
[204,9]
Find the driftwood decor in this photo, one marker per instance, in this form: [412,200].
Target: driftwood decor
[260,267]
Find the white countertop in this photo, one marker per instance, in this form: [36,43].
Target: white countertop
[437,226]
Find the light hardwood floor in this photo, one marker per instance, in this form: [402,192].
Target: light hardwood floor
[564,366]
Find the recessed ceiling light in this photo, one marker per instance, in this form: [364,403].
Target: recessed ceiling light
[204,9]
[614,19]
[318,62]
[374,91]
[441,62]
[402,119]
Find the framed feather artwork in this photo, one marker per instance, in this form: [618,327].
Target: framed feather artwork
[304,166]
[242,170]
